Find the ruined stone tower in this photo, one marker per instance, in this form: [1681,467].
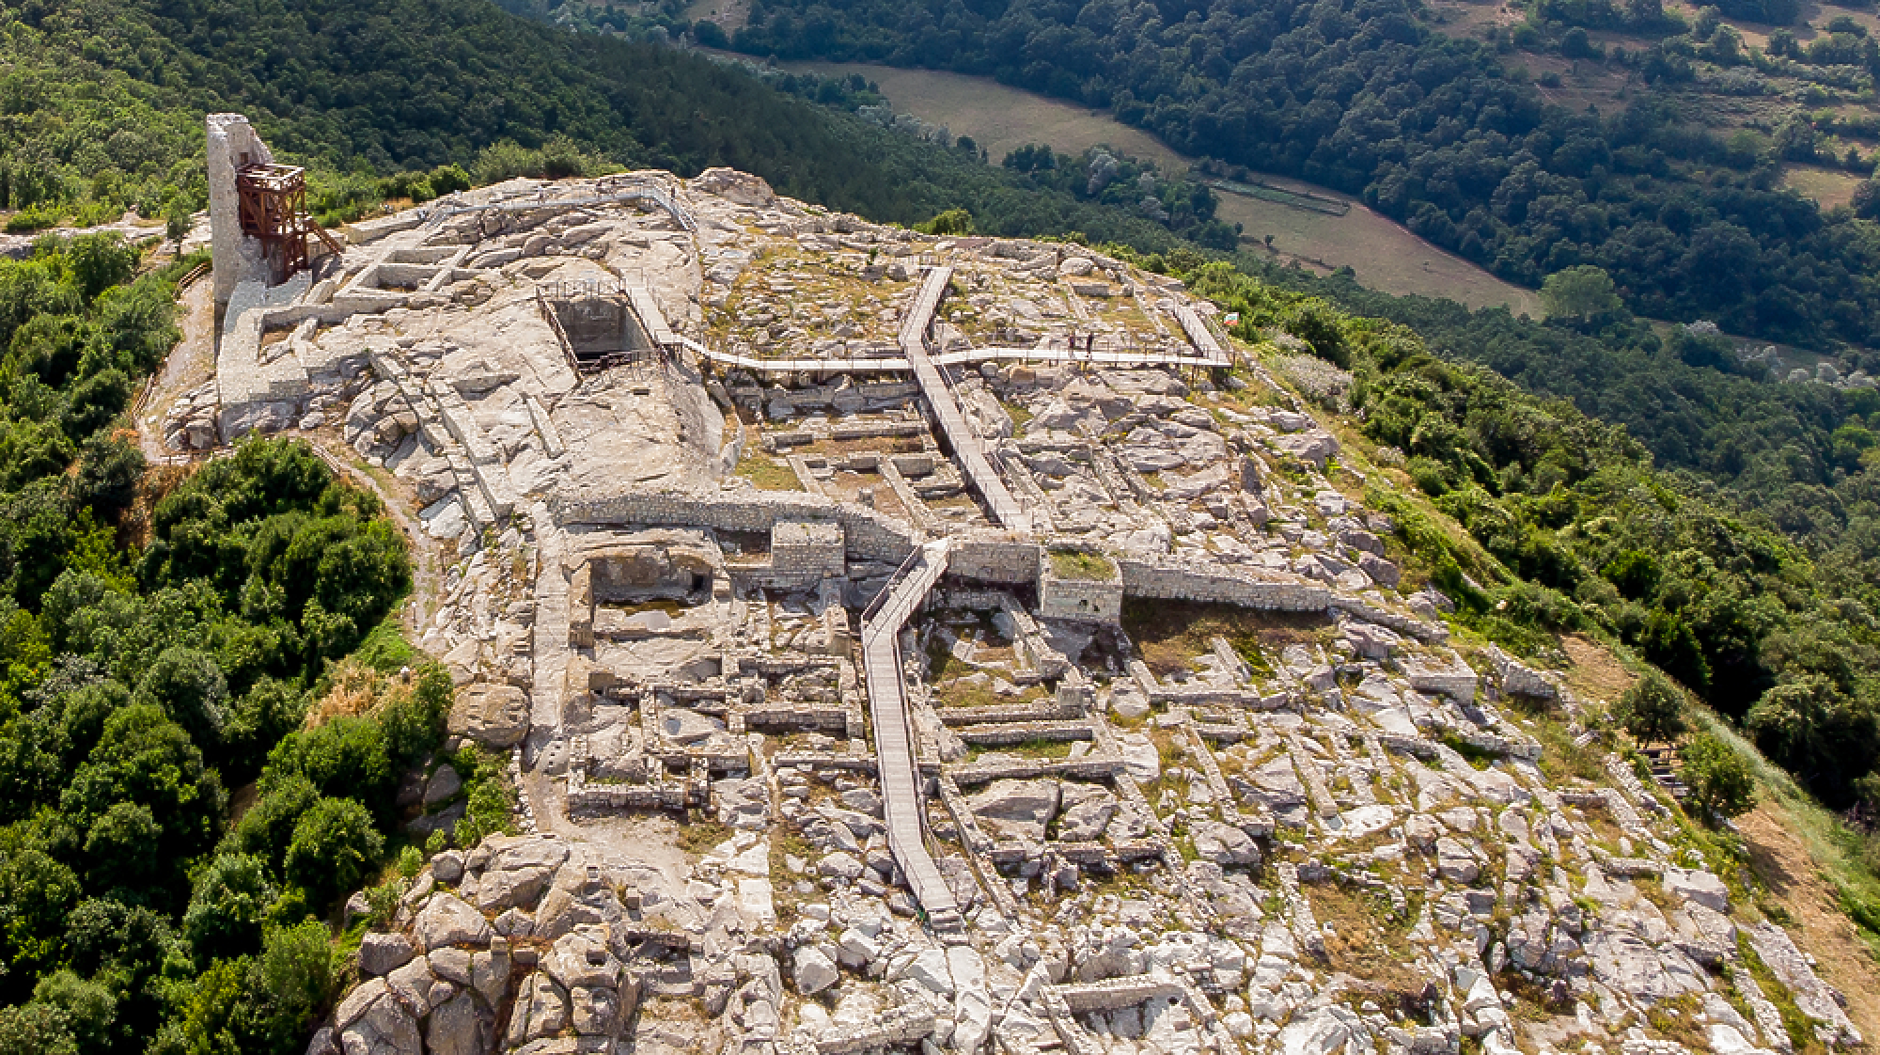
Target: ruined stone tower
[233,145]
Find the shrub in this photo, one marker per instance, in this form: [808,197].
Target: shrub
[1652,709]
[334,848]
[1718,777]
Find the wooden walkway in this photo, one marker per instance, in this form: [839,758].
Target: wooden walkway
[959,432]
[890,364]
[902,807]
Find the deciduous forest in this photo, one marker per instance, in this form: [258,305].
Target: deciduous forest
[1430,129]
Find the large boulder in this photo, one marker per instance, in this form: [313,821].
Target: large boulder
[518,873]
[1019,808]
[1695,884]
[541,1010]
[384,953]
[1085,819]
[492,715]
[814,971]
[456,1027]
[1454,862]
[445,921]
[383,1028]
[1225,844]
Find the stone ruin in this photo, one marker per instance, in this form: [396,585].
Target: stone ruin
[825,540]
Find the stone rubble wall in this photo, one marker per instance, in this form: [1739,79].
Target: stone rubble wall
[1183,582]
[1078,600]
[995,559]
[868,535]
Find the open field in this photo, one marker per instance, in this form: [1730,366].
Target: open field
[1826,186]
[1384,255]
[999,118]
[1381,252]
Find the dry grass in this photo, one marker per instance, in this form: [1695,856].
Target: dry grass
[1170,635]
[355,689]
[1002,119]
[698,837]
[960,693]
[1366,942]
[1781,860]
[1828,187]
[1383,253]
[1593,671]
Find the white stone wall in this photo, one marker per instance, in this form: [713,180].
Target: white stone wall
[237,258]
[869,535]
[1080,600]
[1185,583]
[807,550]
[994,560]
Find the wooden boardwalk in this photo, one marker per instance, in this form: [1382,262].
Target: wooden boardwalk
[959,432]
[902,807]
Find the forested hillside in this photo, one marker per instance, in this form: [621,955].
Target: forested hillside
[161,641]
[1431,130]
[101,106]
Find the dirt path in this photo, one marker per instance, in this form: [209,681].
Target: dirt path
[189,364]
[1842,958]
[427,555]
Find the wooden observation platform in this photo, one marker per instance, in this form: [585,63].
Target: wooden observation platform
[274,210]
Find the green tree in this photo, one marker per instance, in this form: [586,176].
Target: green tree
[36,893]
[345,757]
[1718,777]
[231,900]
[293,982]
[89,1007]
[1652,710]
[190,688]
[950,222]
[122,847]
[1582,294]
[1866,201]
[36,1029]
[268,827]
[334,848]
[100,261]
[1808,725]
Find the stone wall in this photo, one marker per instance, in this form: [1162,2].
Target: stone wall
[1358,609]
[994,559]
[238,258]
[804,551]
[868,535]
[1078,600]
[1187,582]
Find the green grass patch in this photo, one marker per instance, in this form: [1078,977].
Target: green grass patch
[1478,757]
[1039,749]
[768,474]
[1087,567]
[385,648]
[1799,1027]
[1017,412]
[697,837]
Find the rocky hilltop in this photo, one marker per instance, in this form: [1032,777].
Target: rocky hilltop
[948,644]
